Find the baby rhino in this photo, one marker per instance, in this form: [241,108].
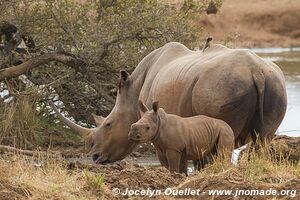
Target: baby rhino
[179,139]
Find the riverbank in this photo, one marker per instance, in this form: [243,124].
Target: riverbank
[53,177]
[254,23]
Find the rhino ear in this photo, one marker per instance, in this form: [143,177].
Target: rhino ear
[98,119]
[124,77]
[155,106]
[142,107]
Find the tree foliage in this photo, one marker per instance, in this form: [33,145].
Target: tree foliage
[101,36]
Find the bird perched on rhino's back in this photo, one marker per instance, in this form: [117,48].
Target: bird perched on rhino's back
[179,139]
[207,43]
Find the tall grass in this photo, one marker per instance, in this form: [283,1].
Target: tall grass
[26,123]
[269,163]
[18,122]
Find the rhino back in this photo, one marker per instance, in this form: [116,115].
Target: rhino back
[174,75]
[218,83]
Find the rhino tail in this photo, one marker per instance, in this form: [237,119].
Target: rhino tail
[259,81]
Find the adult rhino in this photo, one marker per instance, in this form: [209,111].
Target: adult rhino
[234,85]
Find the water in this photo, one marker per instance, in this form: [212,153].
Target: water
[288,59]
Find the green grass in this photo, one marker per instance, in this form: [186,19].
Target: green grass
[95,181]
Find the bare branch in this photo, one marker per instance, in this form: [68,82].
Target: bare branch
[15,71]
[66,59]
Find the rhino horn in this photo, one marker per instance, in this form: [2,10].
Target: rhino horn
[84,132]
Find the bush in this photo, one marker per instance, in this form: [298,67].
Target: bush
[108,35]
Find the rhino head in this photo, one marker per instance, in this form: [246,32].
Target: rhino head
[147,127]
[109,140]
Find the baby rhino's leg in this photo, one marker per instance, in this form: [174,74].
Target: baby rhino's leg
[225,144]
[162,159]
[196,164]
[201,163]
[173,158]
[183,163]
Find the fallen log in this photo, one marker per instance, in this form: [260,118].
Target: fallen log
[4,149]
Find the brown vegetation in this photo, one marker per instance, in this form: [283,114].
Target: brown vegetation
[82,45]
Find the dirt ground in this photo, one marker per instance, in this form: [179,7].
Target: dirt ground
[125,174]
[254,23]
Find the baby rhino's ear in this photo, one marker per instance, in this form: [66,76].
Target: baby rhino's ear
[143,108]
[98,119]
[124,78]
[155,106]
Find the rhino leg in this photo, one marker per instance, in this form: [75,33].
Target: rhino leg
[274,108]
[183,162]
[196,164]
[162,159]
[225,144]
[274,112]
[174,158]
[183,166]
[201,163]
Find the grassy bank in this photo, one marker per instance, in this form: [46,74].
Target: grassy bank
[52,177]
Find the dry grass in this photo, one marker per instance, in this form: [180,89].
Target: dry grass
[42,176]
[46,178]
[49,177]
[26,124]
[18,121]
[268,167]
[269,161]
